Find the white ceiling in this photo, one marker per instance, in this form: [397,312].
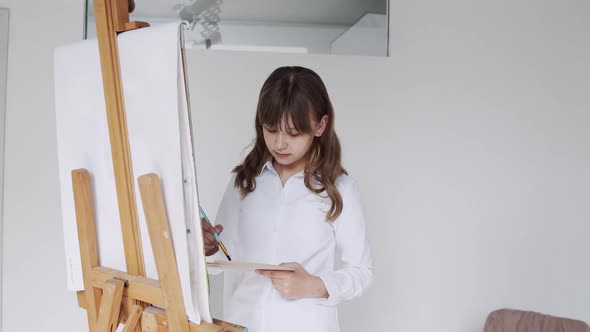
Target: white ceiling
[339,12]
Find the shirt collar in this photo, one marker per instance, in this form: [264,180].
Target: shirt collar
[268,165]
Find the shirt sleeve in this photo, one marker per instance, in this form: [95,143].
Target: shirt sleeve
[355,274]
[227,216]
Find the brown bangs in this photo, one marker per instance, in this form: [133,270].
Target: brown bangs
[284,107]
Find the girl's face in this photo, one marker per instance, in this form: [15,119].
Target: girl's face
[287,146]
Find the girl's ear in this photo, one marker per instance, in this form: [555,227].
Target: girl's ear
[321,126]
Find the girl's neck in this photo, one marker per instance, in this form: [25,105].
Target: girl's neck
[286,171]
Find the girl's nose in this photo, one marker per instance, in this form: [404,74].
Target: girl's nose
[281,141]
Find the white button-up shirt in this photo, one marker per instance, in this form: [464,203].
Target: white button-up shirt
[276,224]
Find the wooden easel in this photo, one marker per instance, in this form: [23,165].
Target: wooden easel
[110,296]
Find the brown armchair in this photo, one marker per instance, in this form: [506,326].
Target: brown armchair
[508,320]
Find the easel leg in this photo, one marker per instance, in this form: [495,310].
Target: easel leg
[86,240]
[149,319]
[161,238]
[110,306]
[133,318]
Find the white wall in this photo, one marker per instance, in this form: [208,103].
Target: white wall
[471,149]
[471,146]
[34,289]
[492,170]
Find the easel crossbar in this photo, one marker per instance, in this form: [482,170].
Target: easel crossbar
[137,287]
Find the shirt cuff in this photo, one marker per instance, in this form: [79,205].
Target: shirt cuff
[330,282]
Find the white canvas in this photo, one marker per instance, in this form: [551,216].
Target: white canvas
[156,104]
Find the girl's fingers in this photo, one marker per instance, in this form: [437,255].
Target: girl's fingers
[275,274]
[293,265]
[209,242]
[277,285]
[205,225]
[208,228]
[209,239]
[210,250]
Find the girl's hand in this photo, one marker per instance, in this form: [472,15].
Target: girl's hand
[298,284]
[211,246]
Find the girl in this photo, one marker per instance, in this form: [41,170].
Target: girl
[291,203]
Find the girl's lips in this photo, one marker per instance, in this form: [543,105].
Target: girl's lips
[282,155]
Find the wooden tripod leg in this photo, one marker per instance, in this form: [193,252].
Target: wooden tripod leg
[133,318]
[87,241]
[160,237]
[110,306]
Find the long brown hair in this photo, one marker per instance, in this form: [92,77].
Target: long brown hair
[298,94]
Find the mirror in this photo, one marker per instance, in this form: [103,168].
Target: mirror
[344,27]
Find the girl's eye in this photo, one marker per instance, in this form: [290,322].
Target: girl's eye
[292,132]
[271,130]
